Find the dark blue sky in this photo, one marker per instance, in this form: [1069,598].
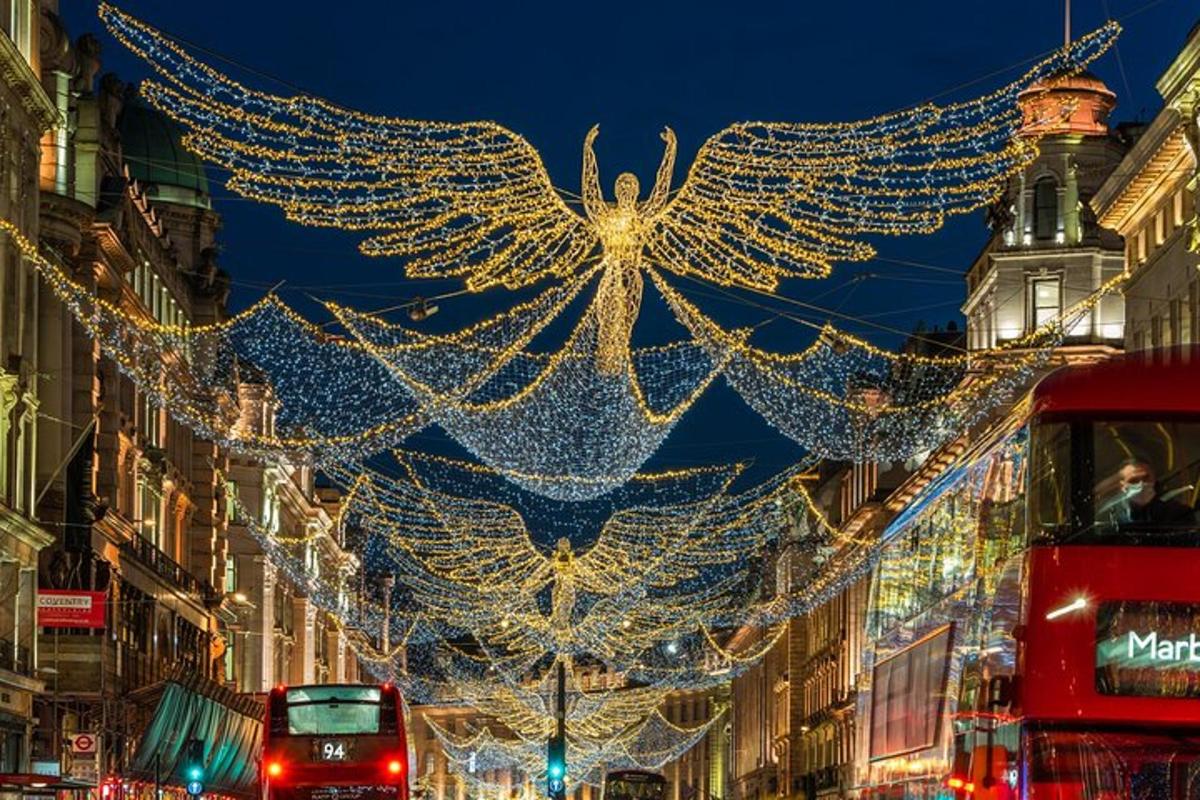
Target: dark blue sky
[551,70]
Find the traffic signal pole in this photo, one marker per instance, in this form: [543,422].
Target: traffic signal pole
[556,751]
[561,710]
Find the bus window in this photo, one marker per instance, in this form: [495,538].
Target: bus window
[1116,481]
[634,785]
[1050,485]
[1146,475]
[1096,765]
[333,710]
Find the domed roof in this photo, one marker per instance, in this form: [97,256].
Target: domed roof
[153,148]
[1076,103]
[1070,82]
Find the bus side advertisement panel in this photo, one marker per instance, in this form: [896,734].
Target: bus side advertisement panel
[1111,634]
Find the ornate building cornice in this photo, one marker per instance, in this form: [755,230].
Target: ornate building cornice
[1160,153]
[18,76]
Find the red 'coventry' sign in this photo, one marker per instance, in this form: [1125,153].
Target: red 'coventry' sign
[70,609]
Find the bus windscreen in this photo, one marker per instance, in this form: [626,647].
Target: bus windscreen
[333,710]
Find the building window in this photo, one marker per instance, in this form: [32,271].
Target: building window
[1141,246]
[151,505]
[1176,324]
[231,576]
[1045,208]
[231,501]
[1160,227]
[1046,297]
[20,27]
[231,658]
[1177,208]
[150,421]
[1156,331]
[1194,310]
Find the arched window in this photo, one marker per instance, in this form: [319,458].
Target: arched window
[1045,208]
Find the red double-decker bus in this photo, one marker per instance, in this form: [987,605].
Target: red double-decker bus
[1035,611]
[334,741]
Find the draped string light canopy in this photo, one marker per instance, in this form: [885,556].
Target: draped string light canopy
[650,744]
[550,422]
[663,558]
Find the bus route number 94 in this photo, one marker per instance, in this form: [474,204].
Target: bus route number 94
[333,750]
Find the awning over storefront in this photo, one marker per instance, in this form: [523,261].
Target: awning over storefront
[229,725]
[31,783]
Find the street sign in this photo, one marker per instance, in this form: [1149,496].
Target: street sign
[83,744]
[83,759]
[195,788]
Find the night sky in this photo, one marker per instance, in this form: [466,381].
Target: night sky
[551,70]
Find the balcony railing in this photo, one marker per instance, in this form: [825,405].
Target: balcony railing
[15,658]
[164,566]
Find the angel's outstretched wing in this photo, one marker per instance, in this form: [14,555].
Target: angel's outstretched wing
[765,200]
[469,199]
[468,564]
[480,546]
[644,550]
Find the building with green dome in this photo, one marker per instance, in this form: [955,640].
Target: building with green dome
[152,146]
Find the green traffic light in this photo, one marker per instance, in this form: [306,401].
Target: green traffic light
[556,770]
[195,773]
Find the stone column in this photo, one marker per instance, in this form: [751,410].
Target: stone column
[336,645]
[1071,222]
[26,632]
[259,583]
[304,618]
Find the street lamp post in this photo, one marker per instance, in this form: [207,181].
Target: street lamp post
[388,582]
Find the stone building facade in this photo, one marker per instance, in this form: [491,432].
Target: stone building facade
[26,114]
[1150,199]
[280,635]
[793,715]
[138,506]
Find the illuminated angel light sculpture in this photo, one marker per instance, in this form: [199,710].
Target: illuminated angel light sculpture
[648,745]
[654,572]
[762,200]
